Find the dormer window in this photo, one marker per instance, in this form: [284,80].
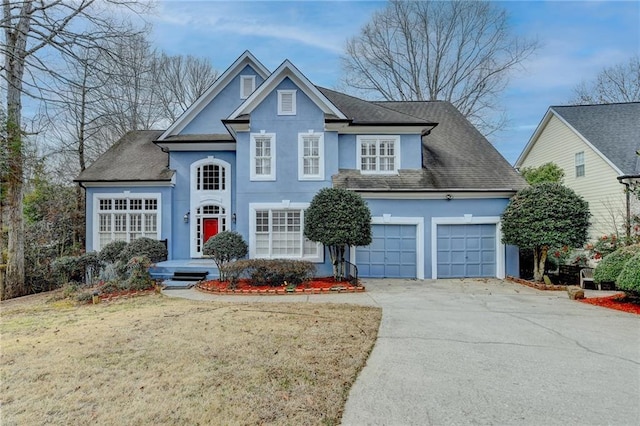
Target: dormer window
[378,154]
[247,85]
[286,102]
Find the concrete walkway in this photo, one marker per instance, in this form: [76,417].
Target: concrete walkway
[488,352]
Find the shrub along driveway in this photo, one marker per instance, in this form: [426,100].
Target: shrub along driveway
[494,352]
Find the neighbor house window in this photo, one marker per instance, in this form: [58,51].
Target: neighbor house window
[311,156]
[378,154]
[277,231]
[286,102]
[125,218]
[247,85]
[580,164]
[263,160]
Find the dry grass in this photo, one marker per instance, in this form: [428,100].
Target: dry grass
[158,360]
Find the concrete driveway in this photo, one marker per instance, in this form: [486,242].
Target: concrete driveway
[494,352]
[489,352]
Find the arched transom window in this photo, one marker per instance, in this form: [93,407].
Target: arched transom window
[210,177]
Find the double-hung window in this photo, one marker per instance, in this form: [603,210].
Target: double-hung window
[277,231]
[125,217]
[378,154]
[580,164]
[310,156]
[263,156]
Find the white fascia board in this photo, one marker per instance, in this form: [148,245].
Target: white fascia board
[362,129]
[193,146]
[245,59]
[286,69]
[127,184]
[440,195]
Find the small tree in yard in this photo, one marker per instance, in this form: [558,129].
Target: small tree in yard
[543,216]
[339,219]
[223,248]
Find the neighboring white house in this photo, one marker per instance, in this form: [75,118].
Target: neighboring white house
[596,147]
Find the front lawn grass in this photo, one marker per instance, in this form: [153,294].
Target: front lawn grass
[158,360]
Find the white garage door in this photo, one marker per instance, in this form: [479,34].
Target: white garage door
[391,254]
[466,251]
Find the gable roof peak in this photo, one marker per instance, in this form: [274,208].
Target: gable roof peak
[284,70]
[234,69]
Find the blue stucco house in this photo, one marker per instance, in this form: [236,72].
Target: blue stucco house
[250,154]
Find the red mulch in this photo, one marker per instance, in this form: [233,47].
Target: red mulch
[619,302]
[244,284]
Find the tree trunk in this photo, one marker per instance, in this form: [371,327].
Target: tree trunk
[539,260]
[14,72]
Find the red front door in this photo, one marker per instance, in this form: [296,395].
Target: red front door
[210,228]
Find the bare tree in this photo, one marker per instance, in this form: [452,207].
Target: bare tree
[459,51]
[182,80]
[35,33]
[617,83]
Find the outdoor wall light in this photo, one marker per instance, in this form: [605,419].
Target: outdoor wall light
[186,217]
[233,218]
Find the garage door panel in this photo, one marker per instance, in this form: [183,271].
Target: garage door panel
[392,252]
[466,250]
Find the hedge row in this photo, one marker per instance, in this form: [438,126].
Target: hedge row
[270,272]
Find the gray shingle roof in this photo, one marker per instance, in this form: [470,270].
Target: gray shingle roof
[614,129]
[133,158]
[455,156]
[365,112]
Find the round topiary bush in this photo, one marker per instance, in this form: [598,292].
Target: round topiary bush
[152,249]
[629,278]
[112,251]
[223,248]
[611,265]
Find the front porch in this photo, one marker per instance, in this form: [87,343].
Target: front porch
[166,270]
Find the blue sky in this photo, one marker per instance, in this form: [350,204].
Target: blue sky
[578,39]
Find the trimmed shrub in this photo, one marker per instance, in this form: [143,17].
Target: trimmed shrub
[275,272]
[139,277]
[611,265]
[629,278]
[67,268]
[223,248]
[111,252]
[154,250]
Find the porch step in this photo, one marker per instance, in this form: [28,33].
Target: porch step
[177,285]
[189,275]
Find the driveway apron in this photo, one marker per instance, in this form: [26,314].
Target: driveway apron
[494,352]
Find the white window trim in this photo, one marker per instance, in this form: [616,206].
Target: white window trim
[468,219]
[252,174]
[577,164]
[244,95]
[199,198]
[396,149]
[388,219]
[301,174]
[293,102]
[122,195]
[284,205]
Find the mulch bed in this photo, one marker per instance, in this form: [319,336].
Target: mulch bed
[620,302]
[324,285]
[539,286]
